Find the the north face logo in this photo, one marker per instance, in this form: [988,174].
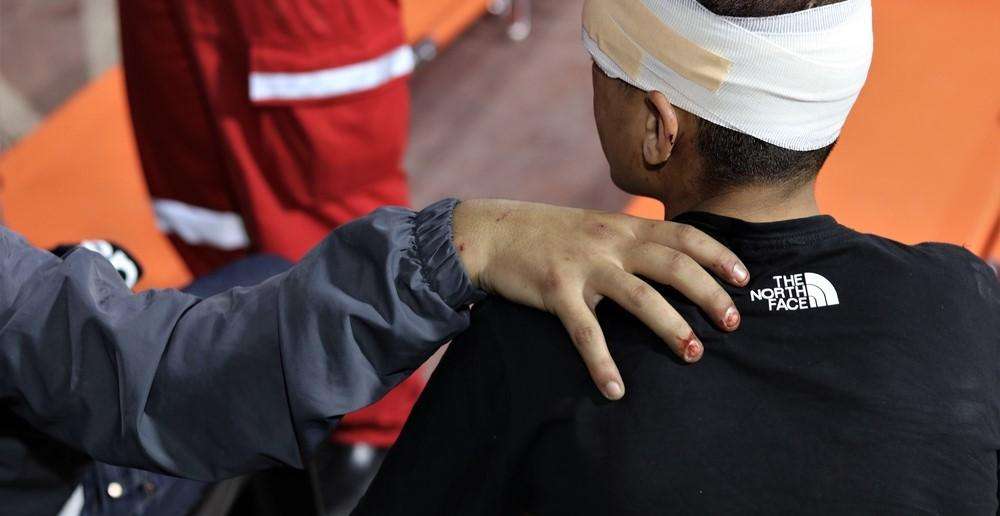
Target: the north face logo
[797,292]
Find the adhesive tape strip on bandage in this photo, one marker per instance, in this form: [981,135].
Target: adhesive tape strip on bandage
[629,30]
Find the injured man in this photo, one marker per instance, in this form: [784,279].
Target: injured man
[865,377]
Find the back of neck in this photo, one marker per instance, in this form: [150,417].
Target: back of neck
[754,203]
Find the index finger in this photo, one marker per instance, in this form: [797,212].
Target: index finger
[589,341]
[705,250]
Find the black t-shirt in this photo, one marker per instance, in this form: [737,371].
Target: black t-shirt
[865,378]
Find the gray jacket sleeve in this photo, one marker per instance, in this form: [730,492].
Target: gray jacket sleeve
[251,378]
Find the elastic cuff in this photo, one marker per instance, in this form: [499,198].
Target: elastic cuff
[440,263]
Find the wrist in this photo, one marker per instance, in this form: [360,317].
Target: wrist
[433,250]
[475,230]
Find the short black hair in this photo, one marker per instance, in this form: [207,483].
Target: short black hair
[731,158]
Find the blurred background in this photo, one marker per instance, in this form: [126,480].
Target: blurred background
[479,87]
[502,116]
[501,107]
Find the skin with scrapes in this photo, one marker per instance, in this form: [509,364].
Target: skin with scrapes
[565,260]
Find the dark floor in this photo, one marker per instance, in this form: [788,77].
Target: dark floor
[496,118]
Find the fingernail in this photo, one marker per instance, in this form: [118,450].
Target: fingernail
[740,272]
[732,318]
[693,350]
[613,390]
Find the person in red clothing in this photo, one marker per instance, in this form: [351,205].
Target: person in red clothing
[261,126]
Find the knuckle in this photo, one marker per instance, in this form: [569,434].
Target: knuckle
[644,255]
[687,264]
[675,260]
[583,336]
[553,280]
[639,295]
[601,230]
[693,238]
[686,233]
[647,250]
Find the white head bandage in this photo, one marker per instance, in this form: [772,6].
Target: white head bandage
[789,80]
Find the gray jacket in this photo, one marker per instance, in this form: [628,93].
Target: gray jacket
[251,378]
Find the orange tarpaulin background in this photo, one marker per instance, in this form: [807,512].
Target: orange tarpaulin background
[919,158]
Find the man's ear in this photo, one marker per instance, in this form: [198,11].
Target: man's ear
[661,130]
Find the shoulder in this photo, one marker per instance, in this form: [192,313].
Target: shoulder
[952,275]
[957,269]
[936,261]
[953,257]
[531,347]
[500,318]
[507,329]
[963,274]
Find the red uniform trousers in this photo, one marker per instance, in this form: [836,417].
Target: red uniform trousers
[263,125]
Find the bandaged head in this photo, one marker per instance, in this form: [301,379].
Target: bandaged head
[789,80]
